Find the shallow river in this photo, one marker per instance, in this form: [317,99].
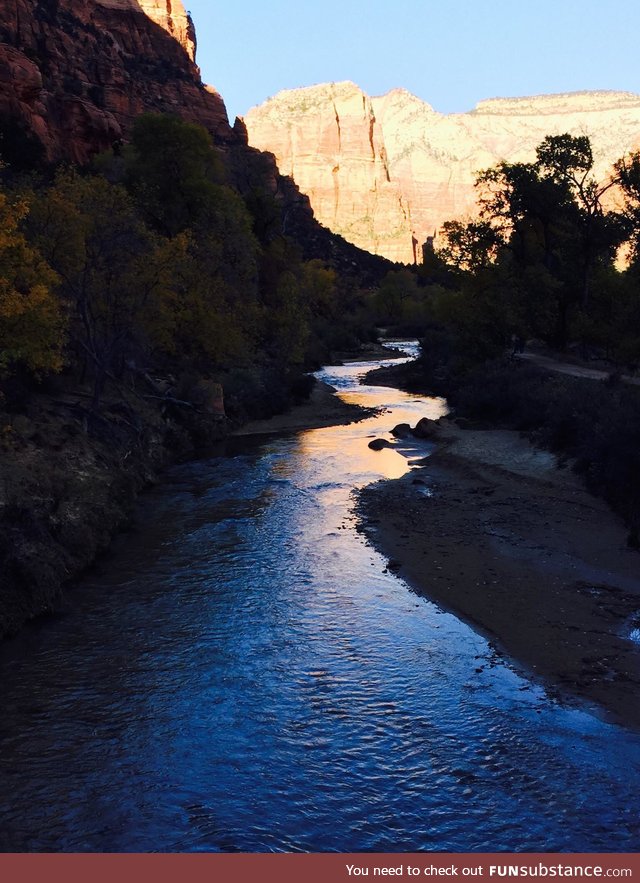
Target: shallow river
[242,673]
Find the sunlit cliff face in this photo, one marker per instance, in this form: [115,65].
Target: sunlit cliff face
[169,14]
[386,172]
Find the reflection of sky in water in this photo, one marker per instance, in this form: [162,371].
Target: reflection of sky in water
[346,447]
[242,673]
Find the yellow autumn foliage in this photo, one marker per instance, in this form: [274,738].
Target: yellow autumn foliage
[31,319]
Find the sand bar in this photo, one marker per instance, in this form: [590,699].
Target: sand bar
[491,529]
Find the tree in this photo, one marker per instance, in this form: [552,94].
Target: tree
[627,171]
[397,289]
[285,314]
[210,312]
[544,223]
[90,234]
[172,170]
[32,322]
[568,160]
[196,316]
[320,291]
[469,246]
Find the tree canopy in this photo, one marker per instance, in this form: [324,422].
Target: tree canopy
[546,241]
[32,318]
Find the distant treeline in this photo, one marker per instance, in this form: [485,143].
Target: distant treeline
[553,255]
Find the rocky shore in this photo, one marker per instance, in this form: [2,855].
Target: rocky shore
[70,478]
[323,408]
[491,529]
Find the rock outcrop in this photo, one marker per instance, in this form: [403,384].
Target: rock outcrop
[169,14]
[386,172]
[75,73]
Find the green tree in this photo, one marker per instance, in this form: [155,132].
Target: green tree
[319,284]
[397,290]
[172,170]
[568,160]
[89,232]
[285,310]
[195,316]
[545,225]
[175,175]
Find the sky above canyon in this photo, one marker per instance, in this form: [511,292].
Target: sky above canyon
[450,53]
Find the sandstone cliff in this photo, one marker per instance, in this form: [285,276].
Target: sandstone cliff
[169,14]
[74,73]
[386,172]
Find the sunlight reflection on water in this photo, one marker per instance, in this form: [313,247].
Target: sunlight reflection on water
[243,673]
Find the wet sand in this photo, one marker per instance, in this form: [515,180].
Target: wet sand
[493,530]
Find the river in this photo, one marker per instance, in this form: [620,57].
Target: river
[243,673]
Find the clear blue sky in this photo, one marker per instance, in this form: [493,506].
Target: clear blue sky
[451,53]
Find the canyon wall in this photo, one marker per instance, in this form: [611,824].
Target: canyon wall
[386,172]
[169,14]
[74,74]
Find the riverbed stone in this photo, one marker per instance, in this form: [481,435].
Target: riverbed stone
[402,430]
[379,443]
[427,428]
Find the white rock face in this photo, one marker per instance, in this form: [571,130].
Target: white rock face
[387,172]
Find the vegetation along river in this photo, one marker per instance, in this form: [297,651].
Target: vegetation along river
[243,673]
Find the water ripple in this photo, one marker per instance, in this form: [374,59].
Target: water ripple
[244,675]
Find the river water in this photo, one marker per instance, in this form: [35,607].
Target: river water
[242,673]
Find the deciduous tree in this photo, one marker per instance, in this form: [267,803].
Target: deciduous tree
[32,322]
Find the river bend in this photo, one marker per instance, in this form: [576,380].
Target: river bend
[243,673]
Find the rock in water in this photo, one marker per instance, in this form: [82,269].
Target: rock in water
[426,428]
[379,443]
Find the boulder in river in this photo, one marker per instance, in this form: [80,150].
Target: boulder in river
[402,430]
[379,443]
[427,428]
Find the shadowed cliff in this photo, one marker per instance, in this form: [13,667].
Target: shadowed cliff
[74,75]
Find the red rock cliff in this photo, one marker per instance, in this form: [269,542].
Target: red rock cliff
[75,73]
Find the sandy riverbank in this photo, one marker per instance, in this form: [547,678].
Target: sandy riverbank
[491,529]
[323,408]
